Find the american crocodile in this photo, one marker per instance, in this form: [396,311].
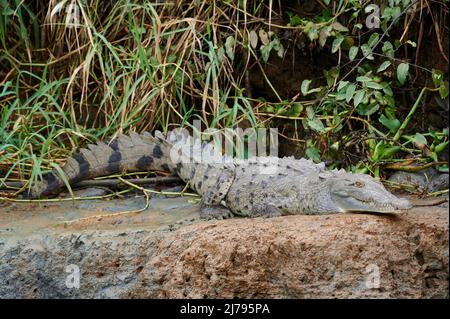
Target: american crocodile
[259,186]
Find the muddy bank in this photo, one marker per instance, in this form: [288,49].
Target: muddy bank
[53,251]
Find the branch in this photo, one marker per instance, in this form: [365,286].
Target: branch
[106,182]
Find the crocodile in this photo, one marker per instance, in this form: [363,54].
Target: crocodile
[264,186]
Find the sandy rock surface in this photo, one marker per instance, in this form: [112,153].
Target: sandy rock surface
[166,252]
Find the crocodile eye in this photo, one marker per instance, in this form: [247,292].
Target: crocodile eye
[359,184]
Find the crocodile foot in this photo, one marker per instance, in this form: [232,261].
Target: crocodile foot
[266,211]
[214,212]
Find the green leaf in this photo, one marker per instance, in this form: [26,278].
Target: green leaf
[339,27]
[388,49]
[264,37]
[310,112]
[311,31]
[443,168]
[353,52]
[437,77]
[331,75]
[363,78]
[316,125]
[266,49]
[391,124]
[412,43]
[359,96]
[294,20]
[313,122]
[378,96]
[368,109]
[402,72]
[385,151]
[295,110]
[388,152]
[337,43]
[383,66]
[269,109]
[342,84]
[440,147]
[443,90]
[349,92]
[278,47]
[220,54]
[253,39]
[367,52]
[7,10]
[374,85]
[340,96]
[387,89]
[434,156]
[391,13]
[324,33]
[229,47]
[373,39]
[313,154]
[305,87]
[419,138]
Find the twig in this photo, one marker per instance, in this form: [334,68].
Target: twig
[409,116]
[412,168]
[105,182]
[434,203]
[438,193]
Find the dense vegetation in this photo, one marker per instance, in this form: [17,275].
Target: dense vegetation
[341,88]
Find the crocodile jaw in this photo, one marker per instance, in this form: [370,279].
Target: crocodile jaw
[362,193]
[389,206]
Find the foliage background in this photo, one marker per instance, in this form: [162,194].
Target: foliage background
[369,100]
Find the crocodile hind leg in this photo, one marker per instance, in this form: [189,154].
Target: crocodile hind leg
[214,212]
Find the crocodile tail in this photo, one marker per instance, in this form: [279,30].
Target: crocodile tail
[123,154]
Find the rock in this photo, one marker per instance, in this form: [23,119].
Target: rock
[332,256]
[86,192]
[428,179]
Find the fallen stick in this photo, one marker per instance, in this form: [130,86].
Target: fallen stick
[106,182]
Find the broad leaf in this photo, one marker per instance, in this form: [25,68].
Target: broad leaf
[388,49]
[392,125]
[313,154]
[443,90]
[342,84]
[353,52]
[368,109]
[264,37]
[420,139]
[349,92]
[374,85]
[383,66]
[229,47]
[402,72]
[367,52]
[359,96]
[337,43]
[253,39]
[305,87]
[373,39]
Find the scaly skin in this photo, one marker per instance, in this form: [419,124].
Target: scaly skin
[262,186]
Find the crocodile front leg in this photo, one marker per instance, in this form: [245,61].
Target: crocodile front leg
[214,212]
[212,198]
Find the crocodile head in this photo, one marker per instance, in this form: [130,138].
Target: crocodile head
[363,193]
